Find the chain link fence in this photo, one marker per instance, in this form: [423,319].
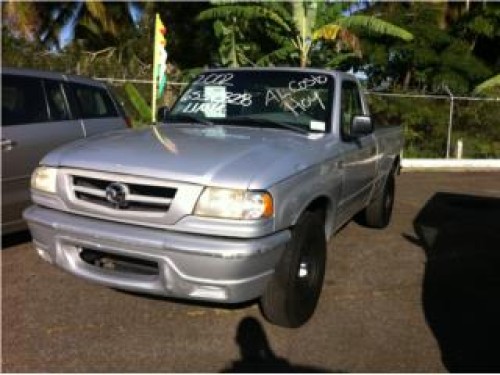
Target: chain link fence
[439,127]
[434,126]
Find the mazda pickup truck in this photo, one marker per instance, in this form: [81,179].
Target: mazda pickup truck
[231,196]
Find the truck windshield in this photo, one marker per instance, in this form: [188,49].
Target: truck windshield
[263,98]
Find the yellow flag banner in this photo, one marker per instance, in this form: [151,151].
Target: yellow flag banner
[159,63]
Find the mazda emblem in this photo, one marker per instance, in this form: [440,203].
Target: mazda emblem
[116,193]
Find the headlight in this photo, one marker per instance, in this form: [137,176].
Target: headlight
[44,179]
[234,204]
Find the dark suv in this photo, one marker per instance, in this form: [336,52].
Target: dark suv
[40,111]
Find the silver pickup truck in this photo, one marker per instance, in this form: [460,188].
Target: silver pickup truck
[231,198]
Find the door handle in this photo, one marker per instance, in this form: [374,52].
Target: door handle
[8,144]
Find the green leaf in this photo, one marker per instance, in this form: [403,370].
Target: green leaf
[279,54]
[232,12]
[375,25]
[340,58]
[138,102]
[488,84]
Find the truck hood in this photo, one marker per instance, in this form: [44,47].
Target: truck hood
[236,157]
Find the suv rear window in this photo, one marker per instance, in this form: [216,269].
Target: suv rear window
[94,102]
[23,100]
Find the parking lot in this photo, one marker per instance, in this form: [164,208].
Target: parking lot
[419,296]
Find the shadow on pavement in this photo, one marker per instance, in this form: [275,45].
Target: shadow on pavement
[461,289]
[256,354]
[15,239]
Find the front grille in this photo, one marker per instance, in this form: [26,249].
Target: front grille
[137,197]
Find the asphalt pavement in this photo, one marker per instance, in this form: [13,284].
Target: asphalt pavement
[419,296]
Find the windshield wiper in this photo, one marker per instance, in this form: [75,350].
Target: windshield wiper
[261,121]
[174,117]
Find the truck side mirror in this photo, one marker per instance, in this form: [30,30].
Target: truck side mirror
[361,125]
[162,114]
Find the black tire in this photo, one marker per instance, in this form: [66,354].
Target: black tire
[379,211]
[293,293]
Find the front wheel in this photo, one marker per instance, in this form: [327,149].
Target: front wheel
[293,293]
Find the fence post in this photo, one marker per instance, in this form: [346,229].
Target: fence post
[450,124]
[460,148]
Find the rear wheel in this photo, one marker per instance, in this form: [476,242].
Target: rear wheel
[379,211]
[293,293]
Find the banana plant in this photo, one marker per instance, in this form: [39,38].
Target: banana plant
[299,28]
[489,84]
[138,102]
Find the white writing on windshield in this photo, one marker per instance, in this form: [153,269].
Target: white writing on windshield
[234,98]
[300,95]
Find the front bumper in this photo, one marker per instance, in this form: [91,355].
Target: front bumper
[185,265]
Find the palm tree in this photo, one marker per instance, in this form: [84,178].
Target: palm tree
[98,24]
[103,24]
[298,30]
[233,47]
[26,19]
[231,22]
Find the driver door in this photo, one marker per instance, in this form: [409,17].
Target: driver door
[359,155]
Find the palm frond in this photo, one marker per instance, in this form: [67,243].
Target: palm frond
[89,24]
[375,25]
[277,55]
[98,11]
[276,37]
[23,16]
[249,12]
[488,84]
[340,58]
[281,9]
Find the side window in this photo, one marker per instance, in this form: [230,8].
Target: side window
[23,100]
[58,107]
[93,102]
[350,105]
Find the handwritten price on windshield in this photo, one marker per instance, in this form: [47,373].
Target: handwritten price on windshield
[294,104]
[306,83]
[235,98]
[300,95]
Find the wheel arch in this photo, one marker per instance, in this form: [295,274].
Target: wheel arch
[322,205]
[396,166]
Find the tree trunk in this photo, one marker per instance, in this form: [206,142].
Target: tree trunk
[303,55]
